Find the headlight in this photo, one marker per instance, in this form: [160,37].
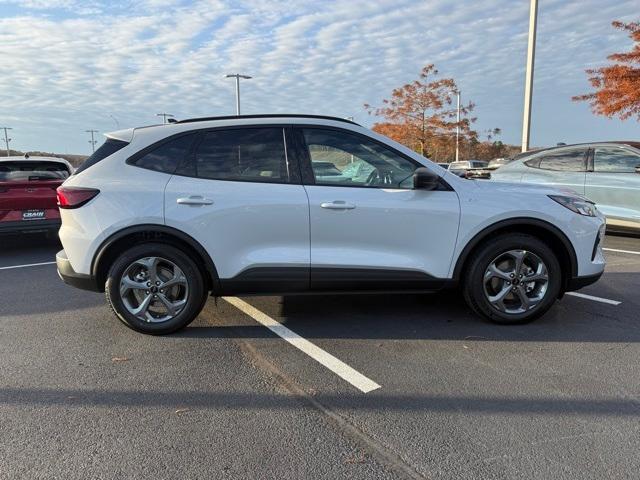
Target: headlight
[578,205]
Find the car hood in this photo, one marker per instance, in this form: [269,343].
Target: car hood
[508,187]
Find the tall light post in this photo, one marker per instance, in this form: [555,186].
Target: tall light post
[6,138]
[528,86]
[457,93]
[92,141]
[237,76]
[164,116]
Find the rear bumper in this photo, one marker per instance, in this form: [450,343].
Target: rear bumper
[31,226]
[576,283]
[71,277]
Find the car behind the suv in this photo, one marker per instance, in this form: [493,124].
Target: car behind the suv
[606,172]
[28,193]
[161,217]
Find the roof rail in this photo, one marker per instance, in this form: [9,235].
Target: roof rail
[268,115]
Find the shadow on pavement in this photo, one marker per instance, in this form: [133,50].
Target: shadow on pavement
[441,316]
[238,401]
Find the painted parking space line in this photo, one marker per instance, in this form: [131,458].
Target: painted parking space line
[26,265]
[337,366]
[632,252]
[595,299]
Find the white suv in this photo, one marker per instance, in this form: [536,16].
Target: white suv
[161,217]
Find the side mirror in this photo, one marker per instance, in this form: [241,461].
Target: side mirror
[425,179]
[637,168]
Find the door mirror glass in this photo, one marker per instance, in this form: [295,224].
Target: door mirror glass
[425,179]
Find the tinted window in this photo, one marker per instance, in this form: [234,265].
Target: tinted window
[357,160]
[247,154]
[32,171]
[564,161]
[615,160]
[109,147]
[167,156]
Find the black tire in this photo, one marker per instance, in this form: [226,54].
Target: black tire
[474,283]
[195,298]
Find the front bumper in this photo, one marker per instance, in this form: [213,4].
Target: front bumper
[576,283]
[71,277]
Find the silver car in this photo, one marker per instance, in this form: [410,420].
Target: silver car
[607,173]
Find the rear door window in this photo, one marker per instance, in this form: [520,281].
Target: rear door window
[244,154]
[33,171]
[615,160]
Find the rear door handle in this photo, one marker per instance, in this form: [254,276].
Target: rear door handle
[338,205]
[194,200]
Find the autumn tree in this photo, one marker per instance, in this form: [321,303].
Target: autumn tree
[618,85]
[421,114]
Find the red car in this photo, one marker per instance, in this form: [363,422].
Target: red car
[28,193]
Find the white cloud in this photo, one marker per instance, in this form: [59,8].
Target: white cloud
[131,59]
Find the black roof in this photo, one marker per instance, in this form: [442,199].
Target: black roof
[267,115]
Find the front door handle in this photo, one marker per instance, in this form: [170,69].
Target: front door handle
[194,200]
[338,205]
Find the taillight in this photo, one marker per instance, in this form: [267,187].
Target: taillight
[74,197]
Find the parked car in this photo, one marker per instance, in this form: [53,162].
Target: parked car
[160,217]
[444,165]
[461,168]
[607,173]
[28,193]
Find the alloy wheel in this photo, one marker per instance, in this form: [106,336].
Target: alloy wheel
[154,289]
[516,281]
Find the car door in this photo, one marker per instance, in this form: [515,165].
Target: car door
[374,232]
[563,168]
[239,195]
[612,182]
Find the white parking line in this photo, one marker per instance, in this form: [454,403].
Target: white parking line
[27,265]
[337,366]
[632,252]
[595,299]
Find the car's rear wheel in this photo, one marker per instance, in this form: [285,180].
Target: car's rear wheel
[513,279]
[155,288]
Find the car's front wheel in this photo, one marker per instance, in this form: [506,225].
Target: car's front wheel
[155,288]
[513,279]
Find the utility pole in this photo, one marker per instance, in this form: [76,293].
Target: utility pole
[164,116]
[528,86]
[237,76]
[6,138]
[92,141]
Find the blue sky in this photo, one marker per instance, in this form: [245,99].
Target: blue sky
[71,65]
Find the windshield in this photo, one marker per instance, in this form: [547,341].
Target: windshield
[32,171]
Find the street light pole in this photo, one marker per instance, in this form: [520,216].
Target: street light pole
[528,86]
[92,141]
[237,76]
[458,127]
[164,117]
[6,138]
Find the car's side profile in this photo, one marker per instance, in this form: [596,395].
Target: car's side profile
[28,193]
[607,173]
[163,216]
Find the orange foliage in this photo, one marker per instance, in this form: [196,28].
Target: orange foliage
[422,114]
[618,85]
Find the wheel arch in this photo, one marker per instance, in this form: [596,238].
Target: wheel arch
[127,237]
[545,231]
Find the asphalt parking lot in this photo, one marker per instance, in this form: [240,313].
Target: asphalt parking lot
[371,386]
